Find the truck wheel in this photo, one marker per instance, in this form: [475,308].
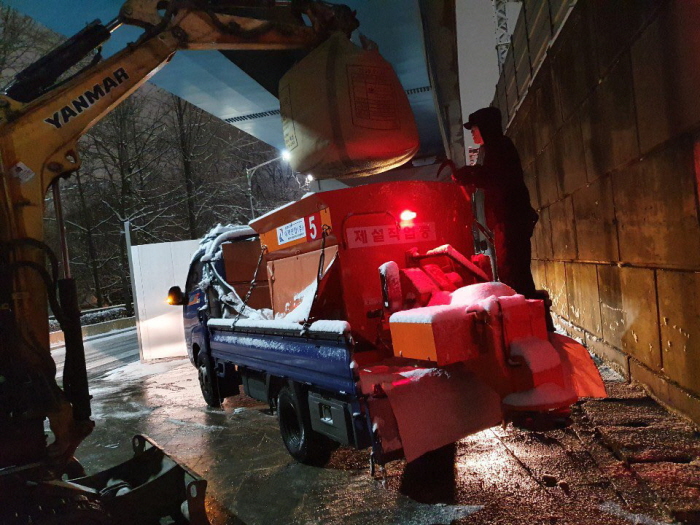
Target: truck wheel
[207,381]
[304,445]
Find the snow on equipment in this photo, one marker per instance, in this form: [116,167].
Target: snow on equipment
[385,329]
[354,120]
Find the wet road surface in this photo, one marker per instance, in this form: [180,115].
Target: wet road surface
[103,352]
[623,460]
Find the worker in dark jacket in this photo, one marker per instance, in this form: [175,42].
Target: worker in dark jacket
[507,200]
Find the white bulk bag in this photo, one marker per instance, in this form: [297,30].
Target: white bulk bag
[345,113]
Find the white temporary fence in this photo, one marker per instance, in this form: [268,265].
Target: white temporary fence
[155,268]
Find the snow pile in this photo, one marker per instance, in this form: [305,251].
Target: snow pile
[539,355]
[418,373]
[99,315]
[140,370]
[305,299]
[303,309]
[323,326]
[253,324]
[490,305]
[545,395]
[475,293]
[210,250]
[637,519]
[228,297]
[428,314]
[210,245]
[330,327]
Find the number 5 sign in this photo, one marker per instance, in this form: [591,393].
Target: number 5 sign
[314,227]
[304,229]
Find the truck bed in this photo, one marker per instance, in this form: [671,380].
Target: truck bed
[320,354]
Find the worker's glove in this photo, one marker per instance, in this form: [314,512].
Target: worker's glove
[460,176]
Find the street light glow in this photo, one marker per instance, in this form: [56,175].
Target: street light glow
[309,178]
[249,172]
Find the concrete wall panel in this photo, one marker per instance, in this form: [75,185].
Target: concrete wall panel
[530,176]
[652,91]
[616,23]
[556,286]
[573,84]
[679,311]
[596,232]
[666,73]
[609,122]
[547,165]
[572,167]
[511,85]
[667,393]
[542,236]
[561,214]
[582,296]
[611,311]
[657,210]
[522,135]
[628,312]
[539,27]
[523,71]
[539,274]
[547,116]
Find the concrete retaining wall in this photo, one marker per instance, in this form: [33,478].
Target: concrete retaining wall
[608,129]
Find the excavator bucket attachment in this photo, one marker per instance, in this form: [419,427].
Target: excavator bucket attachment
[150,486]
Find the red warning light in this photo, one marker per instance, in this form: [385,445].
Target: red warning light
[408,215]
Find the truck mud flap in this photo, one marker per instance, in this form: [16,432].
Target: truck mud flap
[150,486]
[426,409]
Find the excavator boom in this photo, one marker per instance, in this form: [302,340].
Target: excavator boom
[42,116]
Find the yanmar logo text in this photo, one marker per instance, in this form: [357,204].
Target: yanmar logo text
[87,99]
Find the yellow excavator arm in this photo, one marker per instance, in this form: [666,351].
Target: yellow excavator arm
[41,120]
[38,139]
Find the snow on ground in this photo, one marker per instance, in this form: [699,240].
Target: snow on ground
[99,415]
[636,519]
[139,370]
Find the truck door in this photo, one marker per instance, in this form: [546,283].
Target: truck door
[195,303]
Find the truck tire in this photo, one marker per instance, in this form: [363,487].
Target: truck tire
[207,381]
[304,445]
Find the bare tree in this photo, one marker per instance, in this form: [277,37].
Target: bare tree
[200,144]
[170,169]
[125,153]
[22,41]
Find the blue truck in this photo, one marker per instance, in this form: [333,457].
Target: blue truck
[363,317]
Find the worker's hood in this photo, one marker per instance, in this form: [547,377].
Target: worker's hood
[488,120]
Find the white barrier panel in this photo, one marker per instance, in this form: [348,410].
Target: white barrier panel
[157,267]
